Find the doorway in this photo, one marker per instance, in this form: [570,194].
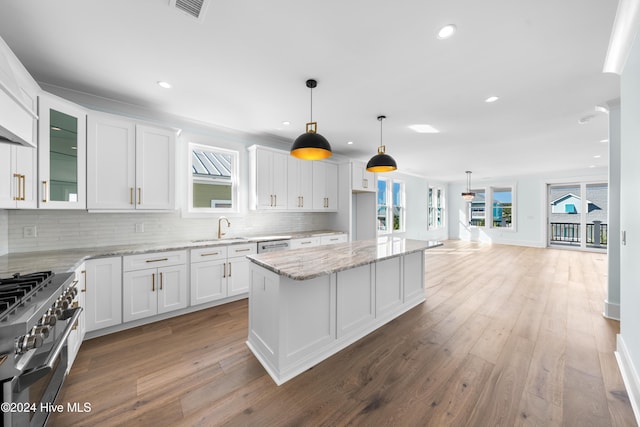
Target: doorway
[578,215]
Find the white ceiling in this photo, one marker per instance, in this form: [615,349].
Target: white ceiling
[244,66]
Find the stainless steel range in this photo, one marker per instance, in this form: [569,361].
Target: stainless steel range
[37,314]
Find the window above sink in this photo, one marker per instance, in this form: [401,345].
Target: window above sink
[213,179]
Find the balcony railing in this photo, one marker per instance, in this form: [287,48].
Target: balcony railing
[569,233]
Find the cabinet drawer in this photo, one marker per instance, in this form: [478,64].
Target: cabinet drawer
[308,242]
[153,260]
[208,254]
[335,238]
[242,249]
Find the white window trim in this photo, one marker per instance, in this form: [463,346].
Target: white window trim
[235,181]
[514,210]
[390,205]
[443,204]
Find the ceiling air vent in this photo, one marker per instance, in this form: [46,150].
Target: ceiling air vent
[194,8]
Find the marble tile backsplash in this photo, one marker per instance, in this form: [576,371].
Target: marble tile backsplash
[4,232]
[80,229]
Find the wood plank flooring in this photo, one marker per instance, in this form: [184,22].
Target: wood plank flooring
[508,336]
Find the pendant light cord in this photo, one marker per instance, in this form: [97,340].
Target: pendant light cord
[311,109]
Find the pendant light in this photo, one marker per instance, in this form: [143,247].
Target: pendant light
[311,145]
[468,195]
[381,162]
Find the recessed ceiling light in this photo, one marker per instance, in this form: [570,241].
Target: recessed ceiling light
[592,166]
[492,99]
[55,128]
[604,140]
[286,123]
[349,142]
[446,31]
[424,128]
[597,156]
[164,85]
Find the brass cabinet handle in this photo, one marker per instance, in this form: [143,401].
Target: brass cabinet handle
[84,273]
[157,260]
[305,243]
[275,197]
[271,199]
[224,270]
[139,195]
[160,280]
[229,270]
[45,188]
[23,179]
[210,254]
[130,195]
[302,197]
[243,250]
[153,282]
[17,176]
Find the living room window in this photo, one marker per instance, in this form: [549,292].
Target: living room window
[435,209]
[391,205]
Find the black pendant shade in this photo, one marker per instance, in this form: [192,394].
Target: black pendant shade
[381,162]
[311,145]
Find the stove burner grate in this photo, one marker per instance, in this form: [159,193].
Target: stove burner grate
[16,290]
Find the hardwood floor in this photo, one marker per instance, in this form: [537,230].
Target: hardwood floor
[508,336]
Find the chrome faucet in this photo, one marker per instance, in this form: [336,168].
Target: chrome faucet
[220,233]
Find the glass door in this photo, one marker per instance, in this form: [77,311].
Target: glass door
[62,154]
[577,215]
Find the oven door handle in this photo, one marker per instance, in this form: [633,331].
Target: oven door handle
[30,377]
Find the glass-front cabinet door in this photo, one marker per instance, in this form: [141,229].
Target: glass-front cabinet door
[61,154]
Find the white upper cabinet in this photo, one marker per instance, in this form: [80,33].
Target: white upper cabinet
[129,166]
[325,186]
[300,187]
[18,92]
[361,180]
[155,168]
[279,181]
[18,169]
[61,154]
[268,178]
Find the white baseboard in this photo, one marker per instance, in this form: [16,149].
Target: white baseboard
[611,310]
[629,375]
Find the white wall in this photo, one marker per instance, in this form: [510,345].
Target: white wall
[629,338]
[530,207]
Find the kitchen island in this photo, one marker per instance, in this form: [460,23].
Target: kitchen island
[307,304]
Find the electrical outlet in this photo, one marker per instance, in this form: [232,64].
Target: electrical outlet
[29,231]
[140,228]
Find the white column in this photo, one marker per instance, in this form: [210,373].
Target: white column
[612,303]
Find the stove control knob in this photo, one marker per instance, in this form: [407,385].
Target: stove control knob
[72,292]
[55,312]
[61,303]
[49,319]
[28,342]
[42,330]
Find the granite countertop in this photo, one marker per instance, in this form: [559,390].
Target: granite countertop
[304,264]
[69,259]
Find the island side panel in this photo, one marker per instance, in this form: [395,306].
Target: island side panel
[307,321]
[264,340]
[388,283]
[413,277]
[355,300]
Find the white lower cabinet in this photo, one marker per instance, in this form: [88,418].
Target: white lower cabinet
[79,329]
[159,288]
[219,272]
[103,293]
[307,242]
